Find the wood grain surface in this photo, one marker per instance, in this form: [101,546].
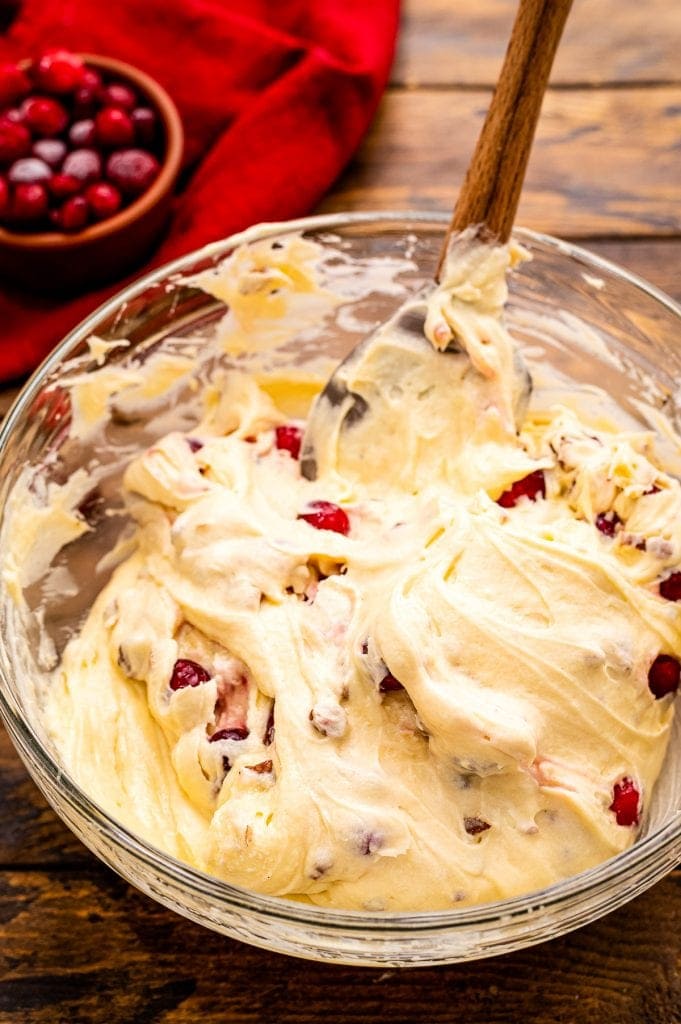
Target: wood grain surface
[604,162]
[606,41]
[77,944]
[86,948]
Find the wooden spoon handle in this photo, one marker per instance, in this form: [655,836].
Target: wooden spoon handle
[491,191]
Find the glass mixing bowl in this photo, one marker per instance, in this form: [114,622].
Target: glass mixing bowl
[592,322]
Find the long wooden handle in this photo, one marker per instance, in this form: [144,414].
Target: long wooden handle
[491,191]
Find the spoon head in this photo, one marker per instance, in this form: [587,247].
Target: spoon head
[395,381]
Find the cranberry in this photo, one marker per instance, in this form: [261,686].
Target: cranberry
[474,826]
[262,768]
[29,201]
[44,116]
[91,79]
[15,141]
[114,127]
[84,164]
[194,444]
[607,523]
[238,733]
[119,95]
[52,151]
[187,673]
[664,676]
[14,84]
[389,684]
[59,71]
[73,215]
[29,170]
[86,96]
[625,802]
[144,123]
[289,439]
[532,486]
[104,199]
[84,102]
[324,515]
[4,195]
[132,170]
[671,587]
[15,115]
[82,133]
[62,186]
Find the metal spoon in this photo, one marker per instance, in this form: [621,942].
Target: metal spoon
[397,354]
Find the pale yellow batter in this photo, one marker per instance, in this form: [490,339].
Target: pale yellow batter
[446,701]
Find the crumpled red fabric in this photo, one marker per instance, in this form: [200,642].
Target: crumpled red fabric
[274,95]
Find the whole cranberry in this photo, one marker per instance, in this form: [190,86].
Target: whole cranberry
[73,215]
[44,115]
[86,96]
[664,676]
[288,438]
[52,151]
[4,195]
[15,115]
[144,122]
[625,802]
[114,127]
[14,84]
[324,515]
[62,186]
[29,170]
[104,199]
[84,164]
[132,170]
[15,141]
[29,202]
[82,133]
[671,587]
[59,71]
[91,79]
[119,95]
[187,673]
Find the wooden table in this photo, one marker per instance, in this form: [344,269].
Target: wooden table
[77,944]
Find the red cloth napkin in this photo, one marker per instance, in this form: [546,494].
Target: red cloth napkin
[274,95]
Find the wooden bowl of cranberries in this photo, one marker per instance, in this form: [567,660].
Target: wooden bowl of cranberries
[90,149]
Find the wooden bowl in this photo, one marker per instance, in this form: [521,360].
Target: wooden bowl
[56,263]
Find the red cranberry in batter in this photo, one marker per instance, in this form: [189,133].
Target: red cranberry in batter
[289,438]
[324,515]
[626,801]
[532,486]
[187,673]
[663,676]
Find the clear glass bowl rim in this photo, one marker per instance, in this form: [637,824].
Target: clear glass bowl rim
[596,881]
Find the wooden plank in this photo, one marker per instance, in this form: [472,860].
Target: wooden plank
[88,948]
[445,43]
[30,832]
[605,162]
